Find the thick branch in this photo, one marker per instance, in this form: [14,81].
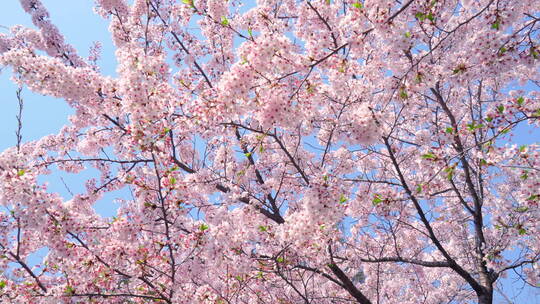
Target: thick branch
[477,215]
[452,263]
[348,284]
[409,261]
[28,270]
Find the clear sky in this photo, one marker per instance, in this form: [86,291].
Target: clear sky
[45,115]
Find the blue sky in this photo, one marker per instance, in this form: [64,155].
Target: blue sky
[45,115]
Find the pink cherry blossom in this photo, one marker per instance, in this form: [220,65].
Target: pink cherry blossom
[279,152]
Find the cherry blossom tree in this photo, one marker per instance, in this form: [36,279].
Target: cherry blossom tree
[287,151]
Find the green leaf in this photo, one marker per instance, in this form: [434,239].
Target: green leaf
[500,109]
[473,126]
[224,21]
[247,154]
[20,172]
[150,205]
[260,275]
[342,199]
[403,94]
[419,188]
[534,53]
[520,100]
[419,77]
[532,197]
[461,68]
[188,2]
[522,148]
[420,16]
[496,25]
[172,180]
[449,130]
[524,176]
[430,17]
[280,259]
[489,119]
[203,227]
[429,156]
[407,34]
[3,284]
[69,290]
[263,228]
[522,231]
[522,209]
[449,172]
[250,32]
[502,50]
[377,199]
[358,5]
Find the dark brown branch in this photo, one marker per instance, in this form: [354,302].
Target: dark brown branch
[281,145]
[291,158]
[477,215]
[18,132]
[28,270]
[116,123]
[182,165]
[348,285]
[166,224]
[325,23]
[479,289]
[514,266]
[258,174]
[276,217]
[404,7]
[111,295]
[142,278]
[116,161]
[319,272]
[181,45]
[408,261]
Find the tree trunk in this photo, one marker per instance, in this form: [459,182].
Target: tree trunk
[486,298]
